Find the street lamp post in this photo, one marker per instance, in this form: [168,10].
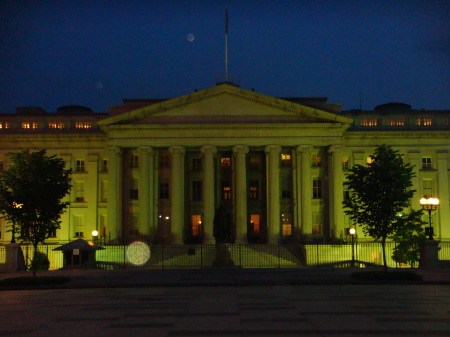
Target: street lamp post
[95,236]
[352,233]
[429,204]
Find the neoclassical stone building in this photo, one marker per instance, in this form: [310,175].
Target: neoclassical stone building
[158,170]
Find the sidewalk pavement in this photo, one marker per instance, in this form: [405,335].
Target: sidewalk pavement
[98,278]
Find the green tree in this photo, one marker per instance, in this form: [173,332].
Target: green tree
[409,237]
[379,192]
[31,190]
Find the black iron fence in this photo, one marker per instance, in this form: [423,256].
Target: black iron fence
[182,256]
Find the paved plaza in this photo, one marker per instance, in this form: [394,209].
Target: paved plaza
[278,310]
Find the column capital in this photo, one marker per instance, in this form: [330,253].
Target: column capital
[305,149]
[240,149]
[276,149]
[177,149]
[114,150]
[208,149]
[145,149]
[335,149]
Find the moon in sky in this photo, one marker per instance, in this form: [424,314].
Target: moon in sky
[190,37]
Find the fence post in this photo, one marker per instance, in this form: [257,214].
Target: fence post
[201,256]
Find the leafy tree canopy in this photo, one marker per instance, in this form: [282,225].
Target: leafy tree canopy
[379,192]
[31,190]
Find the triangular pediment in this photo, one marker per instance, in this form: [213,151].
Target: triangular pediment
[224,104]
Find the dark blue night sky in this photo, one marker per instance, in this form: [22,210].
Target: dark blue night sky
[95,52]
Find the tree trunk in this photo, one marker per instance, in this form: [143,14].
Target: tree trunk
[383,245]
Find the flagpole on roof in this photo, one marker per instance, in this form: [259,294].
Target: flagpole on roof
[226,45]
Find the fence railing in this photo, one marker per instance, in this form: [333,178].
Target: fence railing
[231,255]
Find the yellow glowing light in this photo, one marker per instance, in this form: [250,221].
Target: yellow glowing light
[138,253]
[94,233]
[352,231]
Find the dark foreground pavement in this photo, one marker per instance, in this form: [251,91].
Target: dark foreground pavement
[80,278]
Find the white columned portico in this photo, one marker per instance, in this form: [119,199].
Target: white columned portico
[241,193]
[336,190]
[443,230]
[114,212]
[177,193]
[273,195]
[306,188]
[146,210]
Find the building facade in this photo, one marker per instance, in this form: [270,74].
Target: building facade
[159,170]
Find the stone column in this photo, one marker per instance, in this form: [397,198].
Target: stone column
[208,192]
[114,212]
[273,193]
[306,188]
[336,191]
[177,193]
[443,229]
[296,181]
[241,193]
[91,193]
[146,189]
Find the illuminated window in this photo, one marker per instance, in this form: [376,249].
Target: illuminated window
[426,163]
[134,161]
[26,125]
[196,225]
[226,191]
[286,228]
[424,121]
[134,189]
[315,161]
[285,159]
[79,165]
[164,190]
[254,163]
[345,164]
[225,163]
[369,122]
[317,189]
[197,192]
[102,225]
[254,223]
[83,125]
[253,189]
[79,191]
[396,121]
[196,164]
[316,229]
[4,125]
[56,125]
[164,160]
